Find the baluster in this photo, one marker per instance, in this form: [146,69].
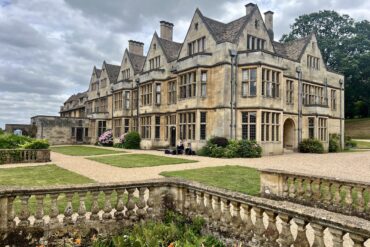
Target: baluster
[336,198]
[180,199]
[54,210]
[68,212]
[120,206]
[285,237]
[247,228]
[292,188]
[150,203]
[193,203]
[236,218]
[186,201]
[300,190]
[10,212]
[81,218]
[317,190]
[301,239]
[107,205]
[286,187]
[25,213]
[337,237]
[259,228]
[226,215]
[209,209]
[328,196]
[141,204]
[216,216]
[358,241]
[39,221]
[308,193]
[319,235]
[360,199]
[272,233]
[200,203]
[348,200]
[95,206]
[130,214]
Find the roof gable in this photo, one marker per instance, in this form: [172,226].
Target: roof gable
[293,49]
[112,71]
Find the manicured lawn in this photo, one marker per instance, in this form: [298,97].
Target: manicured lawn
[139,160]
[358,128]
[236,178]
[363,145]
[82,150]
[40,176]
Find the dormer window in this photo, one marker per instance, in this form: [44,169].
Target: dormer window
[313,62]
[254,43]
[126,74]
[155,62]
[197,46]
[196,26]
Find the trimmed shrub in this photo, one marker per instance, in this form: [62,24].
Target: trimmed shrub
[106,139]
[249,149]
[311,146]
[132,140]
[219,141]
[334,140]
[231,151]
[10,141]
[36,144]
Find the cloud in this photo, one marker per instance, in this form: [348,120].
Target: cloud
[48,48]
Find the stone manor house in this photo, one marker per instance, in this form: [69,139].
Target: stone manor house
[224,79]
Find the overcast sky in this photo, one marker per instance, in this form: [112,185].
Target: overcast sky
[49,47]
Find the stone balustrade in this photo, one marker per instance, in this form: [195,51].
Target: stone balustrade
[343,196]
[108,208]
[9,156]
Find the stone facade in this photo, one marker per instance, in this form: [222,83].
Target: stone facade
[61,130]
[224,79]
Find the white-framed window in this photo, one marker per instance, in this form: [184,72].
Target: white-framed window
[188,87]
[146,94]
[158,94]
[270,83]
[127,100]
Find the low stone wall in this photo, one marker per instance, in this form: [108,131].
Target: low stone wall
[248,220]
[343,196]
[9,156]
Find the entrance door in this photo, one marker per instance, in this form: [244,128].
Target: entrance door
[173,137]
[288,136]
[79,134]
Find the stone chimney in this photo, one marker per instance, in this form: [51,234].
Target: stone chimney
[166,30]
[249,7]
[136,47]
[269,22]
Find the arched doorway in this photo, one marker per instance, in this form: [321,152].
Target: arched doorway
[289,135]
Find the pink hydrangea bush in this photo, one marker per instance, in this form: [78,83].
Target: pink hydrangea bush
[106,139]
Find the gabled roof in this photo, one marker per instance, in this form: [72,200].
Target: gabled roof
[225,32]
[137,61]
[293,49]
[171,49]
[97,72]
[76,97]
[112,72]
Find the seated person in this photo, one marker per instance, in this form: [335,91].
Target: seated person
[189,150]
[180,148]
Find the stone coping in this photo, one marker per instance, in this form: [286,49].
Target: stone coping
[330,219]
[302,175]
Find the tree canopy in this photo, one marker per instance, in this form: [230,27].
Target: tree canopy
[345,46]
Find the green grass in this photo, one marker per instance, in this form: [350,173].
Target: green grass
[235,178]
[82,150]
[139,160]
[40,176]
[363,145]
[358,128]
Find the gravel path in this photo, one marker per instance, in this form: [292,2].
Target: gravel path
[354,166]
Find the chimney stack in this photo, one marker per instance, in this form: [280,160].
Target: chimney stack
[248,8]
[136,47]
[166,30]
[269,22]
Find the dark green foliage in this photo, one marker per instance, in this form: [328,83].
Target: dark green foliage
[334,143]
[118,145]
[345,46]
[36,144]
[311,146]
[9,141]
[132,140]
[1,131]
[234,149]
[219,141]
[349,143]
[175,229]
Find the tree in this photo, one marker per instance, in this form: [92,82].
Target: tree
[345,46]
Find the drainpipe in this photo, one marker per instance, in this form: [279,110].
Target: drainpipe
[137,105]
[341,109]
[300,99]
[235,94]
[111,90]
[233,55]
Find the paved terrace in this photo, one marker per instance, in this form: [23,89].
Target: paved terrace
[352,165]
